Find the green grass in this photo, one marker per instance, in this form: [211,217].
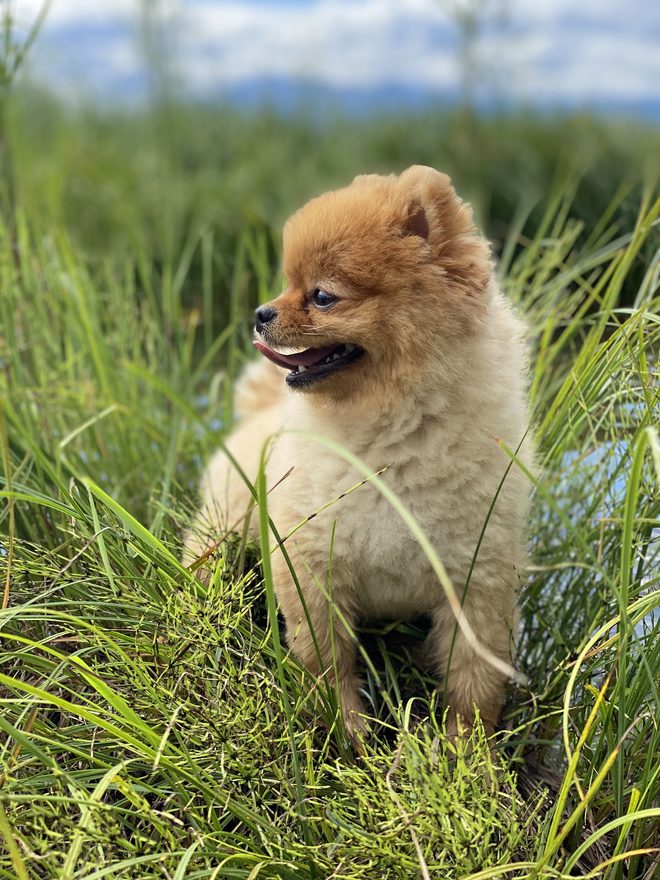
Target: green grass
[150,181]
[151,727]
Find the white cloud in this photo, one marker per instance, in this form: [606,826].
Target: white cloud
[65,12]
[359,44]
[549,50]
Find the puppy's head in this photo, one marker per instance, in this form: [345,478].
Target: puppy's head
[380,276]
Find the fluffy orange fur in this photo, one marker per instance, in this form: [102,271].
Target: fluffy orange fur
[440,382]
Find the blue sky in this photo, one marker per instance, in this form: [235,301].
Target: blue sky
[542,53]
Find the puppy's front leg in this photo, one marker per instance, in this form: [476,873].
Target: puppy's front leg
[330,650]
[471,681]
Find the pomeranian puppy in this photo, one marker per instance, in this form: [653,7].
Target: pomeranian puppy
[392,339]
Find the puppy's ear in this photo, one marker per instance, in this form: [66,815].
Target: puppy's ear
[416,222]
[433,211]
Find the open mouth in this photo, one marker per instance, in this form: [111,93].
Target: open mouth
[313,363]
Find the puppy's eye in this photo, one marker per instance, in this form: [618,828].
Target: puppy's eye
[322,299]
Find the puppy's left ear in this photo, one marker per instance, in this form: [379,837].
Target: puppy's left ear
[432,211]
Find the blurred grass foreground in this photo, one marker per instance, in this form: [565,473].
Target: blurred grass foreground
[150,727]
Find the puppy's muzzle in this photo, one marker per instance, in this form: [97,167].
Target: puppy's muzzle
[263,316]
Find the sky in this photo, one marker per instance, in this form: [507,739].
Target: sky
[603,54]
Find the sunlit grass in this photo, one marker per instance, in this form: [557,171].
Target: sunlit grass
[155,728]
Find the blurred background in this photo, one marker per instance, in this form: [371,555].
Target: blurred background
[142,123]
[359,56]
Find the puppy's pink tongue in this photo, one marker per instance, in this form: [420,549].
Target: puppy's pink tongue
[300,359]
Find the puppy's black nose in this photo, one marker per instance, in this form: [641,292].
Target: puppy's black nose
[262,316]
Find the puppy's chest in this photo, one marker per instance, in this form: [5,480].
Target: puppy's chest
[390,571]
[373,548]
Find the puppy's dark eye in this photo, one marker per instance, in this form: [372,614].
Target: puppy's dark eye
[322,299]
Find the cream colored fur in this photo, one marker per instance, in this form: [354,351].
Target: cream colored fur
[438,433]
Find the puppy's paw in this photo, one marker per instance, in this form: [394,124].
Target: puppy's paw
[468,741]
[355,721]
[456,727]
[461,727]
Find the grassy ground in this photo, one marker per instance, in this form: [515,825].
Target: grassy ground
[154,728]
